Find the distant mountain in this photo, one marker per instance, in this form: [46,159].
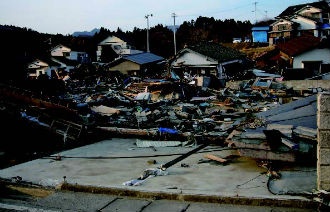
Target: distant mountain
[86,33]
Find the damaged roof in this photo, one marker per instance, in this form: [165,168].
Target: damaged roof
[301,112]
[298,45]
[216,51]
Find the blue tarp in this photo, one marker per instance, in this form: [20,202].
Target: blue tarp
[174,76]
[167,130]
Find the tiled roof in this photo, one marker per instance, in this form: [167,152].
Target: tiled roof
[293,9]
[298,45]
[217,51]
[143,58]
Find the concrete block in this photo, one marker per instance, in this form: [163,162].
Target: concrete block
[324,186]
[323,120]
[323,176]
[324,156]
[324,102]
[324,138]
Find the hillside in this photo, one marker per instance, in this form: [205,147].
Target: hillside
[252,51]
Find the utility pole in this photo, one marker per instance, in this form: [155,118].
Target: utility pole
[255,11]
[174,29]
[147,17]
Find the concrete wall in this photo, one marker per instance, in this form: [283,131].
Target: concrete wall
[323,148]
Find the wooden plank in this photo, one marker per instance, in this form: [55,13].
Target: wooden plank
[216,158]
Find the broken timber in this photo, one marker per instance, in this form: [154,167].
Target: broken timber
[180,158]
[155,133]
[216,158]
[138,132]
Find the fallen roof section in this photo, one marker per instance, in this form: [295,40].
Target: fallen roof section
[301,112]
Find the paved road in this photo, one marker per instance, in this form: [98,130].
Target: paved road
[52,201]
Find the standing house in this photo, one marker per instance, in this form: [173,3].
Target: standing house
[306,25]
[115,44]
[209,58]
[39,67]
[281,30]
[311,18]
[63,51]
[318,11]
[305,54]
[60,51]
[50,67]
[137,64]
[66,58]
[61,58]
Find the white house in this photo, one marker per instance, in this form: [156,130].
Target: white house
[37,68]
[208,59]
[63,51]
[306,53]
[313,58]
[45,66]
[60,51]
[315,13]
[306,24]
[119,46]
[312,18]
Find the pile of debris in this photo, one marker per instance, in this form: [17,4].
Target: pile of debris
[172,110]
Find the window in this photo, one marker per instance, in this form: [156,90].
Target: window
[282,27]
[66,54]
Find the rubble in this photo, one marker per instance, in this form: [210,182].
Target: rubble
[175,111]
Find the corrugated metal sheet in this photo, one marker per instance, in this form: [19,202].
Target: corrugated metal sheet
[143,58]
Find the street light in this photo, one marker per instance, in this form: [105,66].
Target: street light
[147,17]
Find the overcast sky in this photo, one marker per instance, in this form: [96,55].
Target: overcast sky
[67,16]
